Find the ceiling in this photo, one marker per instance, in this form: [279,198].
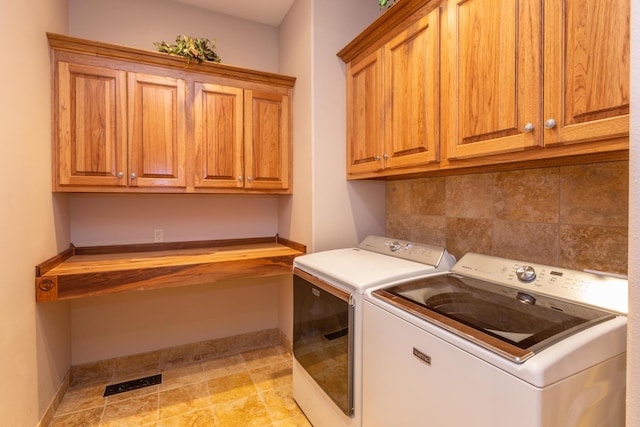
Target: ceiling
[270,12]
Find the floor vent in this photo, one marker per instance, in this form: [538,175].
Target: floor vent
[132,385]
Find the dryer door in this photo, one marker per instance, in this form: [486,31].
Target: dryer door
[323,336]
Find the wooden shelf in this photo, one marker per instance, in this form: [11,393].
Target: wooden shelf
[98,270]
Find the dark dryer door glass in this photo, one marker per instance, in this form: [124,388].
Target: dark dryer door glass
[512,323]
[323,336]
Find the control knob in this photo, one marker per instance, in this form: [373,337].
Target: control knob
[525,273]
[394,246]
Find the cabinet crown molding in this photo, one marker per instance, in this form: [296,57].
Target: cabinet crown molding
[388,24]
[61,42]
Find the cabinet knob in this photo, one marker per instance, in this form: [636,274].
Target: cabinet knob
[528,128]
[550,124]
[240,178]
[378,158]
[385,156]
[133,175]
[120,174]
[249,178]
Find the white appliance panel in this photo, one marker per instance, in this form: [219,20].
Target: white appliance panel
[358,269]
[458,388]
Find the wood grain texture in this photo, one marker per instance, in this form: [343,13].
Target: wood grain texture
[92,134]
[157,131]
[142,56]
[81,272]
[146,122]
[586,73]
[219,137]
[503,64]
[493,82]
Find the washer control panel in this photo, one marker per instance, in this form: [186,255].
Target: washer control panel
[587,288]
[412,251]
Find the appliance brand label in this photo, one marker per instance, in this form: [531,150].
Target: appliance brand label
[420,355]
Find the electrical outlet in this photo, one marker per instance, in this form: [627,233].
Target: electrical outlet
[158,235]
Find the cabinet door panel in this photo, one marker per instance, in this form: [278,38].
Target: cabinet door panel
[156,131]
[586,70]
[412,95]
[493,87]
[218,112]
[364,115]
[266,160]
[91,132]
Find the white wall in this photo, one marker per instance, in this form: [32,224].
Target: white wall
[344,212]
[140,23]
[117,325]
[325,211]
[34,338]
[633,347]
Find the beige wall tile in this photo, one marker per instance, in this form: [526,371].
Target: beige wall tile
[526,241]
[528,195]
[468,235]
[594,247]
[398,197]
[518,214]
[595,194]
[428,196]
[470,196]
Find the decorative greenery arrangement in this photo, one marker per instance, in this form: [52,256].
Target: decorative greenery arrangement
[190,47]
[385,3]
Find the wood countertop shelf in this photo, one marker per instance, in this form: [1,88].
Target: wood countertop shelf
[98,270]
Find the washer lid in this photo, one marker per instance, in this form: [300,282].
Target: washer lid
[358,269]
[505,320]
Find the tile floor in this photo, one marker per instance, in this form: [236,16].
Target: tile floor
[230,382]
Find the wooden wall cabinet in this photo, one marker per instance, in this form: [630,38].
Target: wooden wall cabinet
[241,138]
[494,62]
[129,120]
[518,83]
[392,101]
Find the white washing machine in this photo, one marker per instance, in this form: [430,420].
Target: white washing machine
[496,343]
[327,336]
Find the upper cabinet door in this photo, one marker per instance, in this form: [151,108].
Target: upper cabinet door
[586,51]
[266,155]
[493,76]
[411,87]
[364,114]
[91,135]
[218,117]
[157,131]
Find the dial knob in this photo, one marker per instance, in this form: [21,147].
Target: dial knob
[394,246]
[525,273]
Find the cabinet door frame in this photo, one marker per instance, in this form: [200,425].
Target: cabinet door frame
[607,40]
[524,86]
[139,142]
[72,136]
[266,123]
[231,147]
[365,143]
[412,127]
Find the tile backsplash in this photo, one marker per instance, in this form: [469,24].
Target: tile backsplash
[568,216]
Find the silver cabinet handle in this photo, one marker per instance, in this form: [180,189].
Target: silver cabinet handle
[528,128]
[550,124]
[120,174]
[133,175]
